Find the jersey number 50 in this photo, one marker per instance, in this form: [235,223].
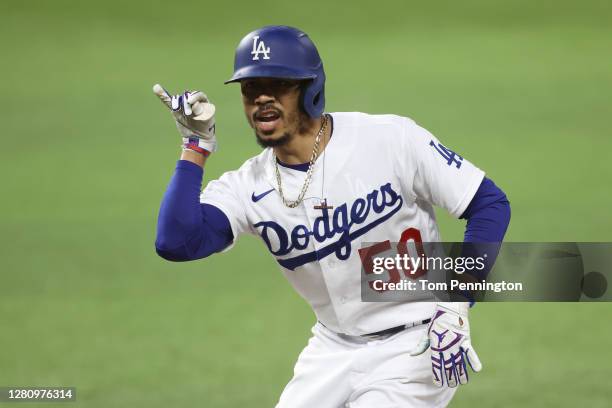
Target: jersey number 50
[368,254]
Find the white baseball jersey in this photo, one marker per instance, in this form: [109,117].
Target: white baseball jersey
[381,174]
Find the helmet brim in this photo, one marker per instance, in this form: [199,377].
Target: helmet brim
[270,71]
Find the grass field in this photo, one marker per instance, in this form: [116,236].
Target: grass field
[520,88]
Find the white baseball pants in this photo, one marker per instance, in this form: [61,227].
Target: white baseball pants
[339,371]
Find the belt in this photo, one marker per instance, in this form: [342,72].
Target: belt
[396,329]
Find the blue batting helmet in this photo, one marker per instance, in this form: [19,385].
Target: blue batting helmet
[283,52]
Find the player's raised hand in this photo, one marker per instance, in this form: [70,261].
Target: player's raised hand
[448,339]
[194,115]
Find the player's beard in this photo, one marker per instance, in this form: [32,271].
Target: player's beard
[281,141]
[299,119]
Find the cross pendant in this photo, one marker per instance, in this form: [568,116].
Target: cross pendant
[323,205]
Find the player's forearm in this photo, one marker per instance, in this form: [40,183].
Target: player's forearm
[187,229]
[179,214]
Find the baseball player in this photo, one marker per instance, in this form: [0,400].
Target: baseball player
[325,186]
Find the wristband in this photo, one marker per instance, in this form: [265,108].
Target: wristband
[195,144]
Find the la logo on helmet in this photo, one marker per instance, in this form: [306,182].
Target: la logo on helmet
[259,48]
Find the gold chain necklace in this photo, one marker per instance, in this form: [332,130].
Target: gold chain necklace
[313,158]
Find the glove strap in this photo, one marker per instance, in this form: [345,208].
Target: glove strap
[461,308]
[196,144]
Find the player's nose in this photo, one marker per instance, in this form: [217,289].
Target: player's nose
[263,98]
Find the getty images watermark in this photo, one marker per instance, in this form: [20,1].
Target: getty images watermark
[456,271]
[458,265]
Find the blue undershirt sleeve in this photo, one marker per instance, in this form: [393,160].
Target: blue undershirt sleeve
[488,217]
[187,229]
[488,214]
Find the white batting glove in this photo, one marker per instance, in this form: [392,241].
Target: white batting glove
[448,339]
[194,116]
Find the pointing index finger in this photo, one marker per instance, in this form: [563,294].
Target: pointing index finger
[163,95]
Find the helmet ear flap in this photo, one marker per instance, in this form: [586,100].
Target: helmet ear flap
[313,97]
[302,98]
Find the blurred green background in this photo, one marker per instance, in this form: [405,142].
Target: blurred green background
[521,88]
